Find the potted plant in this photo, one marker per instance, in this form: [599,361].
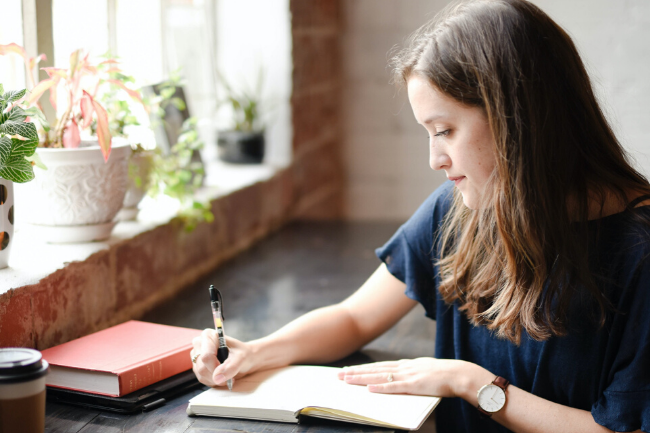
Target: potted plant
[243,141]
[77,198]
[126,109]
[18,140]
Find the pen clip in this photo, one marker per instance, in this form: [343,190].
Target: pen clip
[220,304]
[219,300]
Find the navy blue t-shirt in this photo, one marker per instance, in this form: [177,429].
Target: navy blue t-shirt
[602,370]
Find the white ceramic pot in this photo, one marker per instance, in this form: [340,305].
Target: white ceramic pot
[140,166]
[77,197]
[6,220]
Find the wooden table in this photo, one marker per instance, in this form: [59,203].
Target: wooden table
[304,266]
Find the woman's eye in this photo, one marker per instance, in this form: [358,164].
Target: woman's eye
[443,133]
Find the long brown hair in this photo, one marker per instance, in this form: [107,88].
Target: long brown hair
[516,263]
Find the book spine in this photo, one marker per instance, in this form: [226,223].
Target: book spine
[154,371]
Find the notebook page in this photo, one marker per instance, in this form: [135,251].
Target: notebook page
[407,411]
[297,387]
[266,390]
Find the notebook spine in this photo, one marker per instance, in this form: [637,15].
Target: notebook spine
[154,371]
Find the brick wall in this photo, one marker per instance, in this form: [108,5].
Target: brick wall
[136,274]
[317,166]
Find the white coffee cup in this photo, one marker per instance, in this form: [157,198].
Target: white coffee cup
[22,390]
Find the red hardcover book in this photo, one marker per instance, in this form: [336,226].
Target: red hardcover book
[120,359]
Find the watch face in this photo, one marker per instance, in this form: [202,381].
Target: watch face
[491,398]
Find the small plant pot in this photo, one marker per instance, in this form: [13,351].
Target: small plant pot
[6,220]
[140,166]
[241,147]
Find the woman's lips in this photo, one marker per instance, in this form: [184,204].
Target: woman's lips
[457,180]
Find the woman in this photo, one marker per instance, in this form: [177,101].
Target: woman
[533,260]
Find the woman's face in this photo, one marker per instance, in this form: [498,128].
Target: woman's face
[460,140]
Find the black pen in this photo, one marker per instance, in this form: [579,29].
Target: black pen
[217,313]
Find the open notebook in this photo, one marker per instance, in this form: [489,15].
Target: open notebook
[285,393]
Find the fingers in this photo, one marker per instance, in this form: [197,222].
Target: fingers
[230,367]
[374,368]
[385,377]
[206,362]
[207,368]
[209,350]
[395,387]
[368,379]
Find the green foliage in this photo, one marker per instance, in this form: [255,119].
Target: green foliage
[177,176]
[245,105]
[167,89]
[117,97]
[18,139]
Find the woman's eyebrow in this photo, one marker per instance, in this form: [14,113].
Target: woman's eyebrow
[434,117]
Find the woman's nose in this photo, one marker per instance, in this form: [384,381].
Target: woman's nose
[438,160]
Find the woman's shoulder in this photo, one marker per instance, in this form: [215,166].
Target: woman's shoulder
[627,232]
[622,252]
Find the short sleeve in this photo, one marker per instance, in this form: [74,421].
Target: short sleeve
[624,405]
[411,252]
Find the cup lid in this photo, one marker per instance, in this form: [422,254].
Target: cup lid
[20,364]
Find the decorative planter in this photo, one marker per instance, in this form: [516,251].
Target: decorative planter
[241,147]
[140,166]
[6,220]
[77,197]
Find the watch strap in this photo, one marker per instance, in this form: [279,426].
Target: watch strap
[484,413]
[502,383]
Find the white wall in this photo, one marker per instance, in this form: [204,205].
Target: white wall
[613,38]
[386,152]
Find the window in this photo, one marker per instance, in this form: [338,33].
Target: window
[12,69]
[78,24]
[254,34]
[154,38]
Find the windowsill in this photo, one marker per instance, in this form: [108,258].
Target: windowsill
[32,259]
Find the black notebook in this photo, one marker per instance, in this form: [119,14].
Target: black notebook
[145,399]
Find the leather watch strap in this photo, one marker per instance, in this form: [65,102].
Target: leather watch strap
[502,383]
[484,413]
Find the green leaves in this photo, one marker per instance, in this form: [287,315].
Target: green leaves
[25,130]
[38,114]
[14,95]
[245,104]
[178,176]
[13,165]
[18,140]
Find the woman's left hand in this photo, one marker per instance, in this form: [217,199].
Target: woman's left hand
[421,376]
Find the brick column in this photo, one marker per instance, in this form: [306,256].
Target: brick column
[317,162]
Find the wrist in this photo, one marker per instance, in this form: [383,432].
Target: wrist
[263,355]
[471,378]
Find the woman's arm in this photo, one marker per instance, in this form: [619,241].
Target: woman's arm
[321,336]
[331,333]
[523,412]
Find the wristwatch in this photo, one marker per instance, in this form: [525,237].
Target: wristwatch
[492,397]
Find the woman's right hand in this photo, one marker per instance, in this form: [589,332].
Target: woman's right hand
[207,368]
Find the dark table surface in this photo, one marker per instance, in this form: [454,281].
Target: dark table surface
[302,267]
